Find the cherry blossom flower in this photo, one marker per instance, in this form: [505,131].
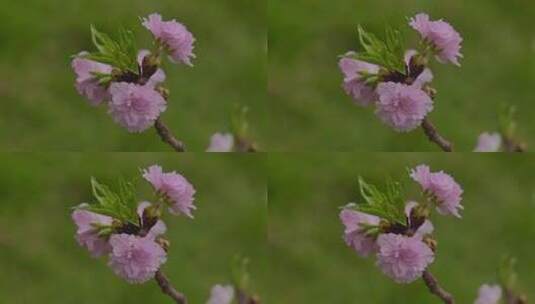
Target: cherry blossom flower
[174,35]
[221,294]
[354,236]
[442,187]
[445,39]
[135,259]
[221,142]
[488,142]
[86,82]
[354,86]
[135,107]
[87,233]
[489,294]
[401,106]
[175,187]
[403,258]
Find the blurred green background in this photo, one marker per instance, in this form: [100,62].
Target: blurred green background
[42,110]
[305,234]
[313,113]
[40,260]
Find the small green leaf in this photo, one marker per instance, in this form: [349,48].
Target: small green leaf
[388,53]
[506,120]
[238,121]
[388,205]
[120,205]
[240,273]
[120,53]
[507,274]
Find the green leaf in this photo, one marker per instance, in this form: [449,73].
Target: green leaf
[238,121]
[120,205]
[240,273]
[388,204]
[120,53]
[507,274]
[506,120]
[388,53]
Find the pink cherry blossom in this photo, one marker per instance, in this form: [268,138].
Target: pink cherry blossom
[175,187]
[174,35]
[135,259]
[442,35]
[221,294]
[86,82]
[353,85]
[87,233]
[441,186]
[135,107]
[353,234]
[221,142]
[403,258]
[489,294]
[401,106]
[488,142]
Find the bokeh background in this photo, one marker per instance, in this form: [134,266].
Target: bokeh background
[41,261]
[41,109]
[312,112]
[305,235]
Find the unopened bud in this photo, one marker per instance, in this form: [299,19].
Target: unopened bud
[431,243]
[164,243]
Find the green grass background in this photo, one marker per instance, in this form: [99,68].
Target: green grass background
[41,110]
[40,260]
[305,234]
[313,113]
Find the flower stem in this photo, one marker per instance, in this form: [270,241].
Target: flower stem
[434,288]
[433,135]
[168,137]
[168,289]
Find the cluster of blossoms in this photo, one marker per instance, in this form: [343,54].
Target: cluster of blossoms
[404,249]
[135,97]
[136,249]
[403,98]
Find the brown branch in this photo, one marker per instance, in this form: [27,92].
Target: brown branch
[432,134]
[434,288]
[168,289]
[244,298]
[511,145]
[243,145]
[167,136]
[512,298]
